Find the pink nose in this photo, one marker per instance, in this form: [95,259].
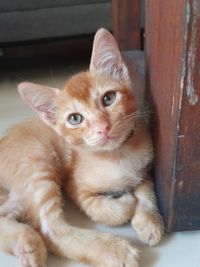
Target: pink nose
[102,128]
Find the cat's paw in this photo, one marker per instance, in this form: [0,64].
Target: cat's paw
[118,252]
[110,209]
[149,227]
[31,250]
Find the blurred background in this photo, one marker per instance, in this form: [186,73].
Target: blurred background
[34,31]
[42,40]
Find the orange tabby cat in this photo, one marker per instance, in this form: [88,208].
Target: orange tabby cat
[91,140]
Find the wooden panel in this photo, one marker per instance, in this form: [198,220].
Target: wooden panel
[188,149]
[172,57]
[126,23]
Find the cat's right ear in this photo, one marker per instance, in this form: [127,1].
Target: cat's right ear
[106,58]
[41,99]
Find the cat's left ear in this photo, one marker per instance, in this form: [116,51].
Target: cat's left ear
[41,99]
[106,57]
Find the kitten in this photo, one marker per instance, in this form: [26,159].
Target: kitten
[90,140]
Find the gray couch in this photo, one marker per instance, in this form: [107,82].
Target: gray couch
[23,20]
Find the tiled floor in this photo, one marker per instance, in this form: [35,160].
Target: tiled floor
[176,250]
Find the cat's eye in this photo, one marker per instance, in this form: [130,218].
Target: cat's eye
[75,119]
[109,98]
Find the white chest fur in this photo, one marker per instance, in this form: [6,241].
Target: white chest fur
[111,172]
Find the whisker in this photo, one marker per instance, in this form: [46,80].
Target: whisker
[126,119]
[121,126]
[140,112]
[134,117]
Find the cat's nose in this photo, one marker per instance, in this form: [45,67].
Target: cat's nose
[103,129]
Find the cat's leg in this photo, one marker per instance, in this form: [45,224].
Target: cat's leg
[87,246]
[90,247]
[112,209]
[12,208]
[23,241]
[147,221]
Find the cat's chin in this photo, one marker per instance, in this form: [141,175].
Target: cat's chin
[110,144]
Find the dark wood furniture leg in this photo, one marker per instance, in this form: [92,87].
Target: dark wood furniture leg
[173,81]
[126,23]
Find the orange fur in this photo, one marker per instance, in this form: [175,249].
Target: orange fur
[107,153]
[80,86]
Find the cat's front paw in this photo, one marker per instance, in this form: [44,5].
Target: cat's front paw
[110,209]
[118,252]
[31,250]
[149,227]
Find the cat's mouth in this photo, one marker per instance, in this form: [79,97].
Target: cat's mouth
[109,141]
[110,137]
[114,141]
[115,137]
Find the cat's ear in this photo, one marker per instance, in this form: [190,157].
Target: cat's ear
[106,58]
[41,99]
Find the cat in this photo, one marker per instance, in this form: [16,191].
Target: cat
[91,140]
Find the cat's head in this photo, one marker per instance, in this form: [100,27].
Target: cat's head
[95,109]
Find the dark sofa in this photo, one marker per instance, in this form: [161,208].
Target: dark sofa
[24,20]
